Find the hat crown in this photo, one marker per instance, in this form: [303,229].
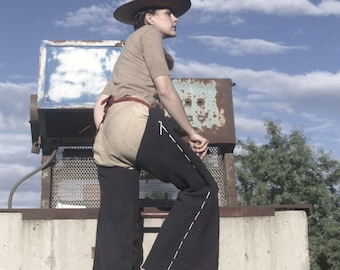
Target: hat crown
[125,12]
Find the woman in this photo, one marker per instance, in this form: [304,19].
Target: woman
[134,136]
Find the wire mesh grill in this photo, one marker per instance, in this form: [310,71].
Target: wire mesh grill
[74,181]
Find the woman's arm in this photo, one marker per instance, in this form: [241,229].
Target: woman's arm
[98,110]
[172,103]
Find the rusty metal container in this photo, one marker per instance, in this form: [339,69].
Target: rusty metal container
[72,74]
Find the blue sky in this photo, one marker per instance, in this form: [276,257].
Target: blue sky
[283,56]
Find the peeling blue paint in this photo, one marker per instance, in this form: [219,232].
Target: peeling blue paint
[199,101]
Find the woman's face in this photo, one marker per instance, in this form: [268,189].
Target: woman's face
[164,20]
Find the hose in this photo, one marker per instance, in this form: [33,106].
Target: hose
[24,178]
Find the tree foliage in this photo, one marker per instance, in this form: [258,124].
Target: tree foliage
[287,170]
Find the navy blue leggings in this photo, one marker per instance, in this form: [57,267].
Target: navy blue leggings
[189,237]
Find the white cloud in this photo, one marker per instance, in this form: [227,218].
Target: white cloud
[14,101]
[329,7]
[97,18]
[246,124]
[317,91]
[236,46]
[16,161]
[84,16]
[80,72]
[277,7]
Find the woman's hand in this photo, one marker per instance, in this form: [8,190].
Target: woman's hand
[172,103]
[198,144]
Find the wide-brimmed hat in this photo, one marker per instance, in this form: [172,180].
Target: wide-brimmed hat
[125,12]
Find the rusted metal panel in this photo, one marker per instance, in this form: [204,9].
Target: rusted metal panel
[46,178]
[230,179]
[209,106]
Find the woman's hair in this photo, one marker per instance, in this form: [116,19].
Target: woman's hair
[139,16]
[169,60]
[139,21]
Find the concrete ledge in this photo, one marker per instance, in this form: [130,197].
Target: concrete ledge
[92,213]
[256,238]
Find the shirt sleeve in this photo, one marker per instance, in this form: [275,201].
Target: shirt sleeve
[153,52]
[108,89]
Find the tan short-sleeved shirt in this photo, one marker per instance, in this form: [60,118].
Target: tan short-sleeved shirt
[141,60]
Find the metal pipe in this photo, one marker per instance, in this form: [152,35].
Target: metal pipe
[24,178]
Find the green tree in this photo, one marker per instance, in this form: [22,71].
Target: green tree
[287,170]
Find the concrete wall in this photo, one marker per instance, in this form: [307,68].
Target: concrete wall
[59,242]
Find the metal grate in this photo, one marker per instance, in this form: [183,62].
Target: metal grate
[75,184]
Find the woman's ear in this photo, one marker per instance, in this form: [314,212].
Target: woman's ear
[148,19]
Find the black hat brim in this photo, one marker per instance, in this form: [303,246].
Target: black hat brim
[125,12]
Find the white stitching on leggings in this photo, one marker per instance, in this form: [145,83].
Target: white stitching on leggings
[187,232]
[161,129]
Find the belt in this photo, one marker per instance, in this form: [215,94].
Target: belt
[110,100]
